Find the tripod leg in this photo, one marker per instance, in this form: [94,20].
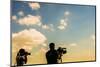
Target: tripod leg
[61,60]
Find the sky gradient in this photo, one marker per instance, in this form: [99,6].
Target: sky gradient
[34,25]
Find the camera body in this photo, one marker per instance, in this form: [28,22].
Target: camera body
[61,50]
[28,53]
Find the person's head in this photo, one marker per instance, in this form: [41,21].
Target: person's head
[21,50]
[52,46]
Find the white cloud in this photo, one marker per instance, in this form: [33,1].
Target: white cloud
[14,17]
[44,44]
[34,6]
[39,24]
[29,20]
[73,44]
[28,39]
[47,27]
[62,25]
[66,13]
[21,13]
[63,22]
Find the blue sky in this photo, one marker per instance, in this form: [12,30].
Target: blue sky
[81,21]
[34,25]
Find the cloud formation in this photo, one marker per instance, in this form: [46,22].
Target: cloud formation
[34,6]
[48,27]
[29,20]
[14,17]
[73,44]
[21,13]
[67,13]
[28,39]
[45,27]
[63,24]
[61,27]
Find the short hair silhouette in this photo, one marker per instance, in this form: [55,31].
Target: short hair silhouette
[52,55]
[21,57]
[52,46]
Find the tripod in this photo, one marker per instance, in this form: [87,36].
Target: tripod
[60,58]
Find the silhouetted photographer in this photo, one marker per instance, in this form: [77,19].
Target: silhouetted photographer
[21,57]
[53,55]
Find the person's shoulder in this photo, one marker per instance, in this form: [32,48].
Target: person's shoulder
[48,52]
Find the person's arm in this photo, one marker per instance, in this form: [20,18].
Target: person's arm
[27,53]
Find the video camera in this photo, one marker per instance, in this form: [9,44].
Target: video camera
[28,53]
[61,51]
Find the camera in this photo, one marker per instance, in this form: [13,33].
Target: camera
[28,53]
[61,50]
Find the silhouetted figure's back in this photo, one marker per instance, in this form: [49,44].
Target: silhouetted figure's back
[52,55]
[21,57]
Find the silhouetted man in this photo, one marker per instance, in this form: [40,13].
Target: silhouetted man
[52,55]
[21,57]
